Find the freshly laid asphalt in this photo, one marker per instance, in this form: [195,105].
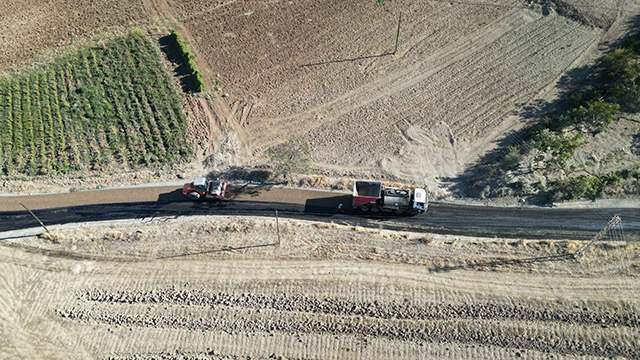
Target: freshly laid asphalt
[249,200]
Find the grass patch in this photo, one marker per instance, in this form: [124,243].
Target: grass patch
[583,186]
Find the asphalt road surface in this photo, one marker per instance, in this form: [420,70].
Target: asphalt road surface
[442,218]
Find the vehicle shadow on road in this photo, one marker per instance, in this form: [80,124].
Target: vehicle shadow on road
[175,195]
[329,205]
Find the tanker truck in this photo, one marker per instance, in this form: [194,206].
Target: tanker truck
[371,196]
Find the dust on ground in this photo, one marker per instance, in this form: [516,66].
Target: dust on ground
[226,288]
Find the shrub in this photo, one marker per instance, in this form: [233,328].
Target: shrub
[290,157]
[583,186]
[511,158]
[187,58]
[596,113]
[560,146]
[621,75]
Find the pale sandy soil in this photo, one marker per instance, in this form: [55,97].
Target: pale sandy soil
[463,77]
[460,79]
[221,288]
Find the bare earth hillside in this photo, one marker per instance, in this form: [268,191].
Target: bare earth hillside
[458,82]
[414,91]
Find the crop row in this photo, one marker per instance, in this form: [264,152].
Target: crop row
[102,106]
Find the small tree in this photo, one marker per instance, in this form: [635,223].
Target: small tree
[290,157]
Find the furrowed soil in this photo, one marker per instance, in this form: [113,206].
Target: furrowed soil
[412,91]
[418,105]
[222,288]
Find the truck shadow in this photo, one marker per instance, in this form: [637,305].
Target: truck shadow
[175,195]
[329,205]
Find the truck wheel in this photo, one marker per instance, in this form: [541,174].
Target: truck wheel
[194,195]
[364,208]
[375,209]
[414,212]
[399,212]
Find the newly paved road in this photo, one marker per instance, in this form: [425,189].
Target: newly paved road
[444,218]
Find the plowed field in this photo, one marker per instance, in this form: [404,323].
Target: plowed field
[221,288]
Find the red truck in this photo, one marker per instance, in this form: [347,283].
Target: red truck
[202,188]
[372,196]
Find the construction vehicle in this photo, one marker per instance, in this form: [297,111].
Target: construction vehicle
[202,188]
[371,196]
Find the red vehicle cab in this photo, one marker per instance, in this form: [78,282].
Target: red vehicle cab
[202,188]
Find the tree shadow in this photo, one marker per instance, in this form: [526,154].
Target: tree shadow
[635,145]
[185,79]
[235,192]
[239,173]
[255,178]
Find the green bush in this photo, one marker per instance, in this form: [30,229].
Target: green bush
[596,113]
[621,75]
[187,58]
[583,186]
[561,147]
[511,158]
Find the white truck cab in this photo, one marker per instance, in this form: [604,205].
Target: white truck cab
[420,200]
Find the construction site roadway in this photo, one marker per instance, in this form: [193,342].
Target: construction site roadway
[526,222]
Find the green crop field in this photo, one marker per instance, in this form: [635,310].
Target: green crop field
[102,106]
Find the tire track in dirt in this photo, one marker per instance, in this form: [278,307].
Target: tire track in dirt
[558,338]
[317,309]
[400,79]
[10,328]
[24,316]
